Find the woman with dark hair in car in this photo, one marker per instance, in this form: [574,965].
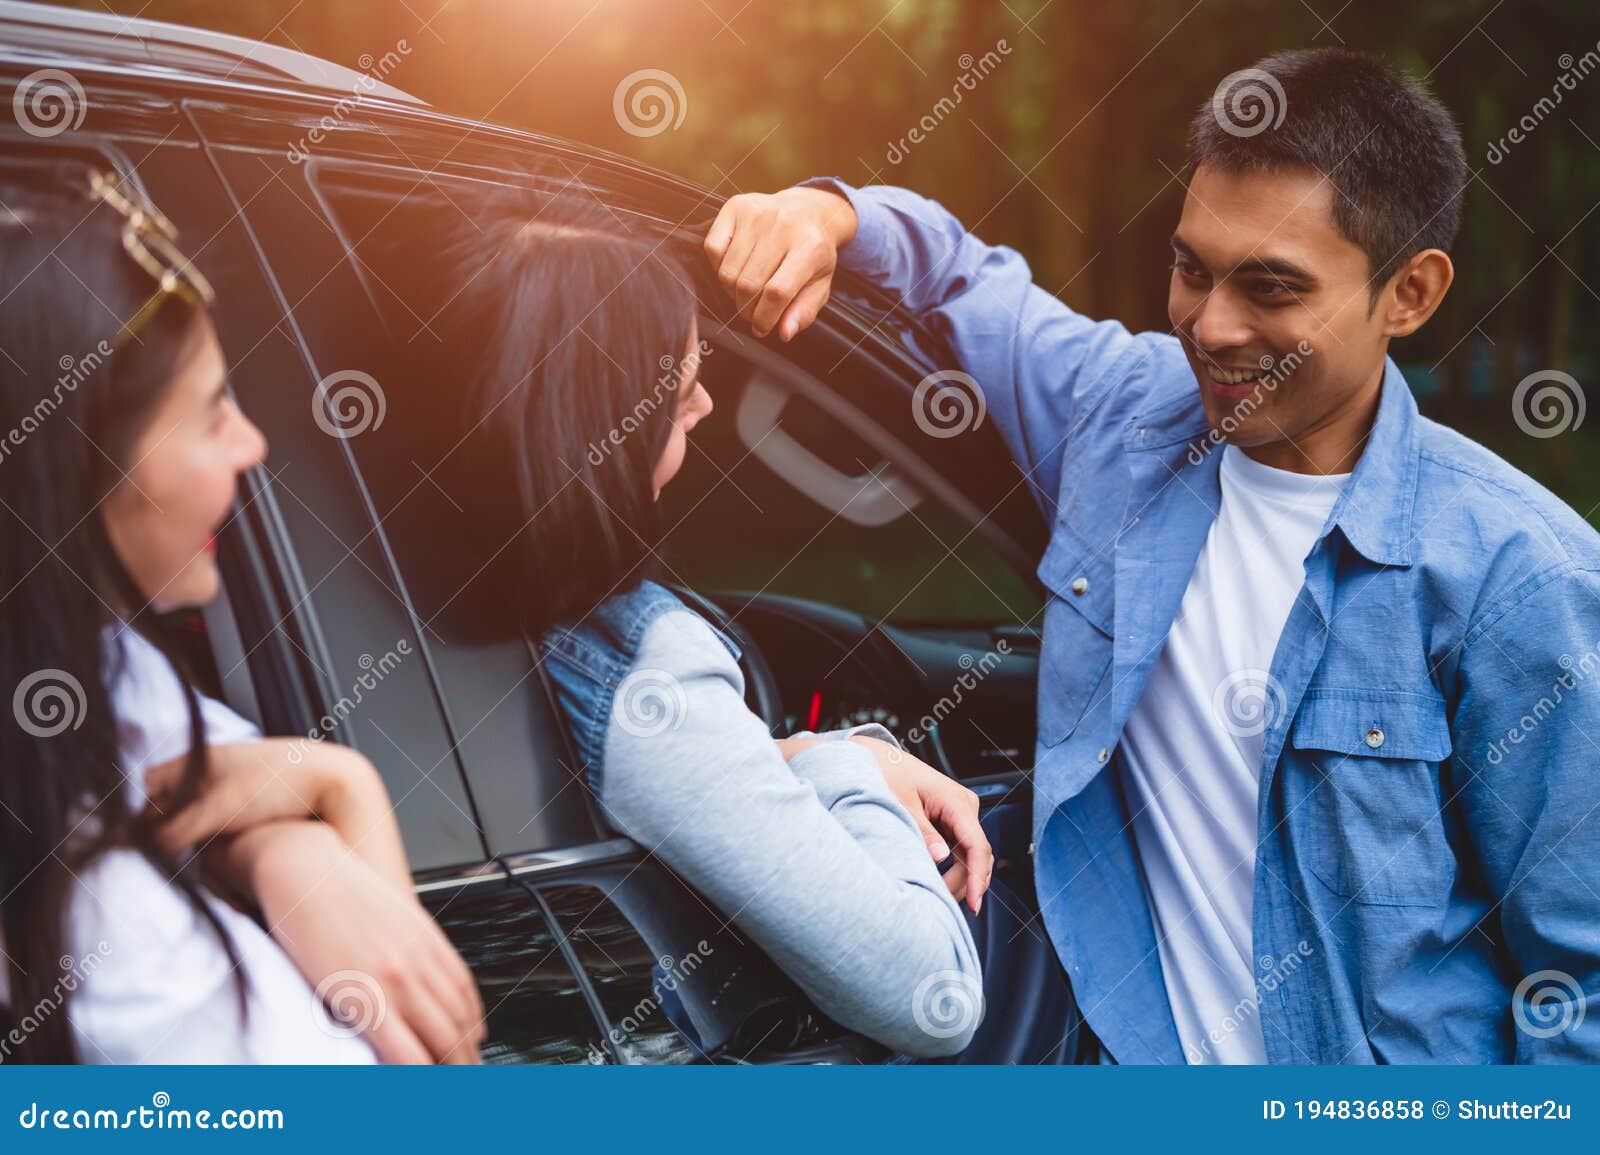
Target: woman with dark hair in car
[128,802]
[586,389]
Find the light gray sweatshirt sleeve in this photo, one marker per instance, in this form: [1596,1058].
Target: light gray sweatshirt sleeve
[814,859]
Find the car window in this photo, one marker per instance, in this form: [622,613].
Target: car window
[780,496]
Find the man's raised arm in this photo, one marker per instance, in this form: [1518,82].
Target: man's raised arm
[1031,357]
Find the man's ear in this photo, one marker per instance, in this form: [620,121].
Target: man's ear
[1417,289]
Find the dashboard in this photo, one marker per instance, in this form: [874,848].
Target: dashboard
[959,697]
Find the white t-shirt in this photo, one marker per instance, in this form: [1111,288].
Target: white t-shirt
[151,981]
[1191,752]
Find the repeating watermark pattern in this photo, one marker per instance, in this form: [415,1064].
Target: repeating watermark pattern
[1548,403]
[1248,702]
[49,102]
[972,71]
[670,973]
[1274,372]
[666,387]
[373,71]
[947,1003]
[1577,669]
[74,372]
[974,672]
[1572,71]
[73,973]
[159,1115]
[1278,972]
[49,702]
[1547,1003]
[649,702]
[948,403]
[1249,102]
[374,671]
[649,102]
[355,1002]
[347,403]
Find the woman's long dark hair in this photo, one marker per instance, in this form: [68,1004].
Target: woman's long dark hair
[72,405]
[578,332]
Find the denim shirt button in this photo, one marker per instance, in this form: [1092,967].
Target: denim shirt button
[1104,755]
[1374,737]
[1080,585]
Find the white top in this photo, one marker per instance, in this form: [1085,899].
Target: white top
[1191,752]
[152,983]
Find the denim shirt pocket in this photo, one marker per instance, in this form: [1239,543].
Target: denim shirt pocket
[1078,622]
[1371,825]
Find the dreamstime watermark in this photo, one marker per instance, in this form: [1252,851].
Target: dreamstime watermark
[49,102]
[1577,670]
[1279,972]
[948,403]
[160,1115]
[1548,403]
[673,374]
[355,1003]
[1275,371]
[1248,702]
[974,671]
[947,1003]
[74,372]
[374,671]
[1547,1003]
[1249,102]
[649,102]
[347,403]
[373,71]
[972,71]
[1572,71]
[670,973]
[74,972]
[49,702]
[649,702]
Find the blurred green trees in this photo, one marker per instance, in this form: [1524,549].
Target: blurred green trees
[1070,147]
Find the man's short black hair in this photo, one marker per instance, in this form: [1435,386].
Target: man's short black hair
[1390,150]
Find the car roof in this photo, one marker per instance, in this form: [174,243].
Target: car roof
[47,34]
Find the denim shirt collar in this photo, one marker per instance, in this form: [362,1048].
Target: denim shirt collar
[1375,510]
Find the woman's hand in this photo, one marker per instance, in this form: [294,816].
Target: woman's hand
[387,964]
[251,783]
[941,807]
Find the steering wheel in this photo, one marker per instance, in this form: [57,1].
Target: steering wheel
[760,686]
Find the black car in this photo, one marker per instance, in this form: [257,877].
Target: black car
[875,563]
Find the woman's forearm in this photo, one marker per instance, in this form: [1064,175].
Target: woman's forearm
[815,860]
[249,784]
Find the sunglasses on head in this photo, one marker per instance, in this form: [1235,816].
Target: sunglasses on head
[150,240]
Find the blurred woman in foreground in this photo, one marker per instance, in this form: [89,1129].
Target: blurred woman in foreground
[129,804]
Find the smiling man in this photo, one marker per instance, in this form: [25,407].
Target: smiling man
[1318,771]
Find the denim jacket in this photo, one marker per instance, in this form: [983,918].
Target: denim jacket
[1427,879]
[593,657]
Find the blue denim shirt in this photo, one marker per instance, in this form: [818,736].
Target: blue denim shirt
[1427,882]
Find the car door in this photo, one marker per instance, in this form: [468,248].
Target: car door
[347,238]
[272,645]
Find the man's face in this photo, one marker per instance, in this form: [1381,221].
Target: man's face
[1271,303]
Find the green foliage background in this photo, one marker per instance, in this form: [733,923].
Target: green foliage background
[1071,149]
